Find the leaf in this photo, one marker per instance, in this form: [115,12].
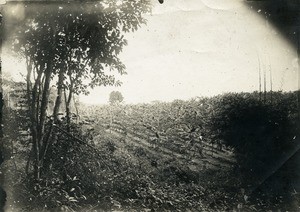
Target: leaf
[72,199]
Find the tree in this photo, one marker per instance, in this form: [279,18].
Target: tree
[73,46]
[115,97]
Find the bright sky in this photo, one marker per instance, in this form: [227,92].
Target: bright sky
[200,48]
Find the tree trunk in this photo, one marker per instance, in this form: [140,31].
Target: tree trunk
[68,110]
[28,82]
[34,123]
[59,96]
[44,101]
[58,101]
[76,109]
[43,112]
[68,104]
[57,105]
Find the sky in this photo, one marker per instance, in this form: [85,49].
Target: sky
[198,48]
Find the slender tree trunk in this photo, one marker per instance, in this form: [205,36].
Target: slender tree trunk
[29,92]
[43,113]
[68,100]
[34,123]
[44,101]
[69,104]
[28,81]
[59,96]
[76,109]
[29,84]
[68,114]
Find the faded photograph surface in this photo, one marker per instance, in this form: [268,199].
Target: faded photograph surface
[150,105]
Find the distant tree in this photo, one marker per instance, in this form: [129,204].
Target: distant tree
[115,97]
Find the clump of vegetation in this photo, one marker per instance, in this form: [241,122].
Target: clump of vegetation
[260,133]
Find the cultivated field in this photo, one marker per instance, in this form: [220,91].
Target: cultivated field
[205,154]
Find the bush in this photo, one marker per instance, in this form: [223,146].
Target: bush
[260,133]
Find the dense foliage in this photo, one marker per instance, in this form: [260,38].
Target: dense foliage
[261,134]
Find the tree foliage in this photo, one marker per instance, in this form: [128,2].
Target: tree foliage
[115,97]
[73,46]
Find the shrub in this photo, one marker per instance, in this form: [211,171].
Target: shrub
[260,133]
